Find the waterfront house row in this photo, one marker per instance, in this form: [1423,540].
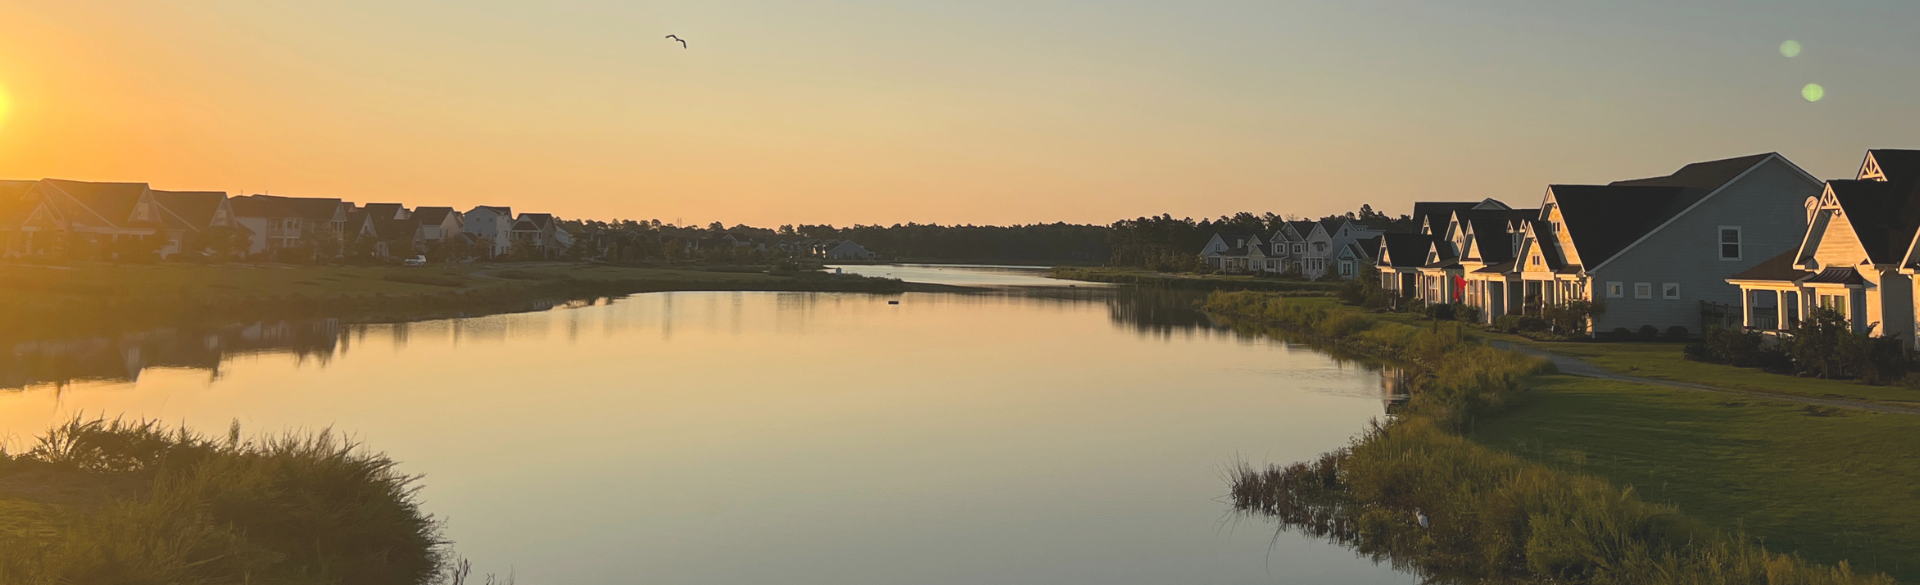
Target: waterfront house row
[1858,255]
[49,215]
[1656,251]
[1310,249]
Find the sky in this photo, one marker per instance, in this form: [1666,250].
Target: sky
[985,111]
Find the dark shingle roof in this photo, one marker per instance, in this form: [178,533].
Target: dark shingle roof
[1406,250]
[1603,220]
[308,208]
[190,209]
[1883,217]
[1778,268]
[1708,175]
[84,201]
[1899,166]
[1434,214]
[432,215]
[385,210]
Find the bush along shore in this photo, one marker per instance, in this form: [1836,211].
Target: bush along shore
[61,314]
[98,501]
[1416,493]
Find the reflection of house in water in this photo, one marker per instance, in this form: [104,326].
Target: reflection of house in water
[123,358]
[1395,389]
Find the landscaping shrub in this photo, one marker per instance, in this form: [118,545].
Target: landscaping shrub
[1571,318]
[1678,333]
[1519,323]
[1825,345]
[1440,312]
[1466,313]
[1649,333]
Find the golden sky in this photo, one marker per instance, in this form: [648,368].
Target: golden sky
[983,111]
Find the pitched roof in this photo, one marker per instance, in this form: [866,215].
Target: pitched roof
[1708,175]
[13,190]
[83,201]
[1779,268]
[1406,250]
[432,215]
[1837,275]
[1603,220]
[499,209]
[1899,166]
[190,209]
[539,221]
[1365,249]
[387,228]
[1883,217]
[308,208]
[1434,214]
[1496,223]
[1304,227]
[385,210]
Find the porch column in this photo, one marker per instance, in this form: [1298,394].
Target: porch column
[1746,307]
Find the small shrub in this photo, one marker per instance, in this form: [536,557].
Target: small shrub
[1678,333]
[1466,313]
[1649,333]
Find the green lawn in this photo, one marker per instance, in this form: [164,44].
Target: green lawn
[1831,484]
[1662,360]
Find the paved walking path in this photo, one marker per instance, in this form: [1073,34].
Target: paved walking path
[1578,367]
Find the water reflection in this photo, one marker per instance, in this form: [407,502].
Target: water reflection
[1057,436]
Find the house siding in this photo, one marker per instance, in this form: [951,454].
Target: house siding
[1767,204]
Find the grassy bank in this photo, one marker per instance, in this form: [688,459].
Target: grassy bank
[1151,279]
[117,502]
[45,301]
[1513,514]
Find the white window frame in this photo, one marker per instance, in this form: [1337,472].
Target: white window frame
[1670,290]
[1643,290]
[1616,289]
[1739,243]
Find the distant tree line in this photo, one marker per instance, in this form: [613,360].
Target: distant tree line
[1036,243]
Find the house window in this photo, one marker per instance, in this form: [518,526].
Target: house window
[1616,290]
[1670,290]
[1729,242]
[1346,268]
[1299,248]
[1836,303]
[1643,290]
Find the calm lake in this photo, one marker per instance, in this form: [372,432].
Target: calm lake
[1030,435]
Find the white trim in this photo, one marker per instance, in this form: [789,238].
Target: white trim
[1703,200]
[1639,295]
[1616,289]
[1670,286]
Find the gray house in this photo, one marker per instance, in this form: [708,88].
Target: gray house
[1658,251]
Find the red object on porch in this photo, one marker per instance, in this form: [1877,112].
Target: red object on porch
[1459,288]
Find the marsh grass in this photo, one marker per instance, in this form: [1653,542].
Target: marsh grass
[1494,516]
[291,508]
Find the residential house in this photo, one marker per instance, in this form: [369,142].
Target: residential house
[1658,251]
[1399,260]
[1327,241]
[1288,247]
[100,214]
[1355,255]
[26,226]
[847,250]
[279,223]
[437,224]
[542,233]
[187,215]
[1487,242]
[1228,252]
[1857,255]
[492,225]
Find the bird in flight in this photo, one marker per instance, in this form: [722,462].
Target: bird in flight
[683,43]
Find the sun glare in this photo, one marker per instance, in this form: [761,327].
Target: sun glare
[1790,49]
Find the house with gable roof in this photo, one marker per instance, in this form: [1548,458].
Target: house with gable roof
[1857,256]
[290,222]
[187,215]
[1658,251]
[1230,252]
[493,225]
[1399,259]
[542,233]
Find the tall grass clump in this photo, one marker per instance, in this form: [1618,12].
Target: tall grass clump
[1492,516]
[182,508]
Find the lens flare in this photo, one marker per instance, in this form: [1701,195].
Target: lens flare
[1790,49]
[1813,92]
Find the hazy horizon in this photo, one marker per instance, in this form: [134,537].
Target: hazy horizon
[849,112]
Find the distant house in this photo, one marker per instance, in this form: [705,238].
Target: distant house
[1659,251]
[542,233]
[1286,247]
[188,214]
[1488,243]
[1341,239]
[1399,260]
[492,225]
[438,223]
[1229,252]
[100,212]
[847,250]
[279,223]
[1356,254]
[25,225]
[1857,256]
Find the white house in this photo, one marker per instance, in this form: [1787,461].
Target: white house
[493,225]
[847,250]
